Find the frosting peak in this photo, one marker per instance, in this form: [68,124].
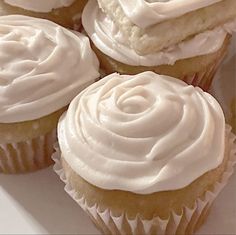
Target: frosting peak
[40,5]
[43,66]
[142,133]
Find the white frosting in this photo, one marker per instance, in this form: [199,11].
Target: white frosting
[43,66]
[142,133]
[144,13]
[110,40]
[40,5]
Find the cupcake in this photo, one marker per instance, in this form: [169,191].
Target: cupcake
[43,66]
[144,154]
[233,115]
[184,40]
[64,12]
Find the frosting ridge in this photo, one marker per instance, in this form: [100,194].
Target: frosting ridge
[43,66]
[142,133]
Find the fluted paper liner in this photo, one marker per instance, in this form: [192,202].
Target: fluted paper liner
[27,156]
[185,223]
[201,78]
[205,77]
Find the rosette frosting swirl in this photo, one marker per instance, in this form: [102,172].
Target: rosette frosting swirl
[43,66]
[144,133]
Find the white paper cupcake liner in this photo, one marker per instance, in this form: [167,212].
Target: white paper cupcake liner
[202,79]
[185,223]
[205,77]
[28,155]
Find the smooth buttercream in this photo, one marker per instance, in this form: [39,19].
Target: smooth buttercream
[43,66]
[40,5]
[145,13]
[110,40]
[144,133]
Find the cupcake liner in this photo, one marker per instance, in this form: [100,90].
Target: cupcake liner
[205,77]
[201,78]
[27,156]
[186,223]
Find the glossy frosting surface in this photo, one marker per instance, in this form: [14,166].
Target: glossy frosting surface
[40,5]
[42,67]
[144,13]
[110,40]
[144,133]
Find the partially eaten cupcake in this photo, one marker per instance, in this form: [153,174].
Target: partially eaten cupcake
[145,154]
[64,12]
[183,39]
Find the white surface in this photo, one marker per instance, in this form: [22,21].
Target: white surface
[37,204]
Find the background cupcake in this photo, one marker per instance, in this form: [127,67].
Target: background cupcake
[64,12]
[124,46]
[43,67]
[233,117]
[130,150]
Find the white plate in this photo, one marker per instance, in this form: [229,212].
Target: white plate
[37,204]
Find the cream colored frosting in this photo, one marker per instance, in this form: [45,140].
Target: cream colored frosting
[144,13]
[110,40]
[40,5]
[144,133]
[43,66]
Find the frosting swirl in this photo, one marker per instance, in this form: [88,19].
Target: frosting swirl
[40,5]
[145,13]
[142,133]
[110,40]
[43,66]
